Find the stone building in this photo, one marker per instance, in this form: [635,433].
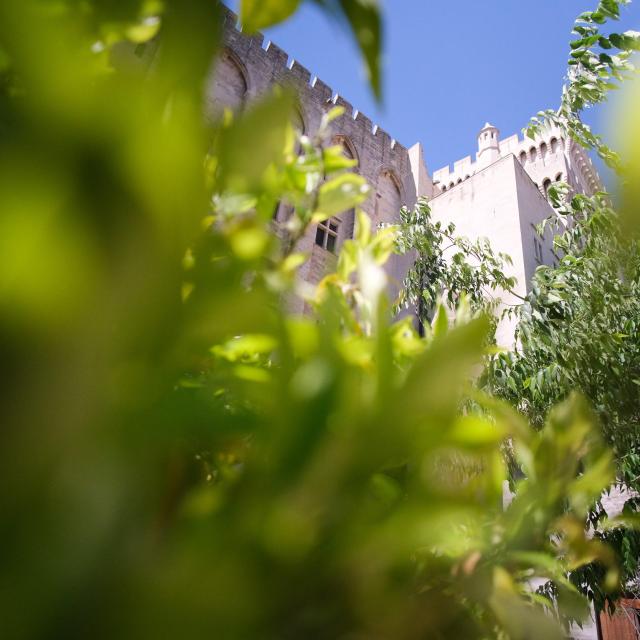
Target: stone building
[501,195]
[248,68]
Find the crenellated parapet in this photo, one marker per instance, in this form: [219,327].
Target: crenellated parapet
[548,158]
[264,64]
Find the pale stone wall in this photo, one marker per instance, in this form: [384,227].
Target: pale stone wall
[501,203]
[485,198]
[546,159]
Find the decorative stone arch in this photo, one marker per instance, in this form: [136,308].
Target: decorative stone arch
[553,143]
[392,174]
[299,119]
[346,219]
[389,195]
[533,154]
[284,211]
[545,187]
[543,150]
[523,158]
[350,148]
[229,84]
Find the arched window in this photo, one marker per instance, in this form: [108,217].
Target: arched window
[227,87]
[298,122]
[554,145]
[559,178]
[545,186]
[347,218]
[444,187]
[543,150]
[466,177]
[451,185]
[348,148]
[532,154]
[523,158]
[459,181]
[388,198]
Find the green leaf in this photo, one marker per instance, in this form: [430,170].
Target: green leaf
[253,142]
[440,322]
[243,347]
[335,160]
[364,18]
[340,194]
[260,14]
[474,431]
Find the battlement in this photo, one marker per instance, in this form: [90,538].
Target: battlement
[265,62]
[546,157]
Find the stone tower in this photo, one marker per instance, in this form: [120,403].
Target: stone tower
[488,145]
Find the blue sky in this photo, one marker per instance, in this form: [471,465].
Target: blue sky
[449,66]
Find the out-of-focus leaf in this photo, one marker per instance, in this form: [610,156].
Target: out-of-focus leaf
[476,432]
[260,14]
[339,194]
[253,142]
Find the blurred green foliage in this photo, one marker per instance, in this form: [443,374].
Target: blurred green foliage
[182,456]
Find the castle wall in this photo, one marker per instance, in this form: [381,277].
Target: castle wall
[249,68]
[502,201]
[547,159]
[533,208]
[502,204]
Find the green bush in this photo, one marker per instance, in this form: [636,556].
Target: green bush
[182,456]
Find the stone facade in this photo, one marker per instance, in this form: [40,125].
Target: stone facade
[548,158]
[501,194]
[502,203]
[249,67]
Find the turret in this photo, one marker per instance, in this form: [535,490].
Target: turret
[488,145]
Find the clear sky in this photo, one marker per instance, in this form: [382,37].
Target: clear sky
[449,66]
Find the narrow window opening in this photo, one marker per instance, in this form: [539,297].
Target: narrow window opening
[327,234]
